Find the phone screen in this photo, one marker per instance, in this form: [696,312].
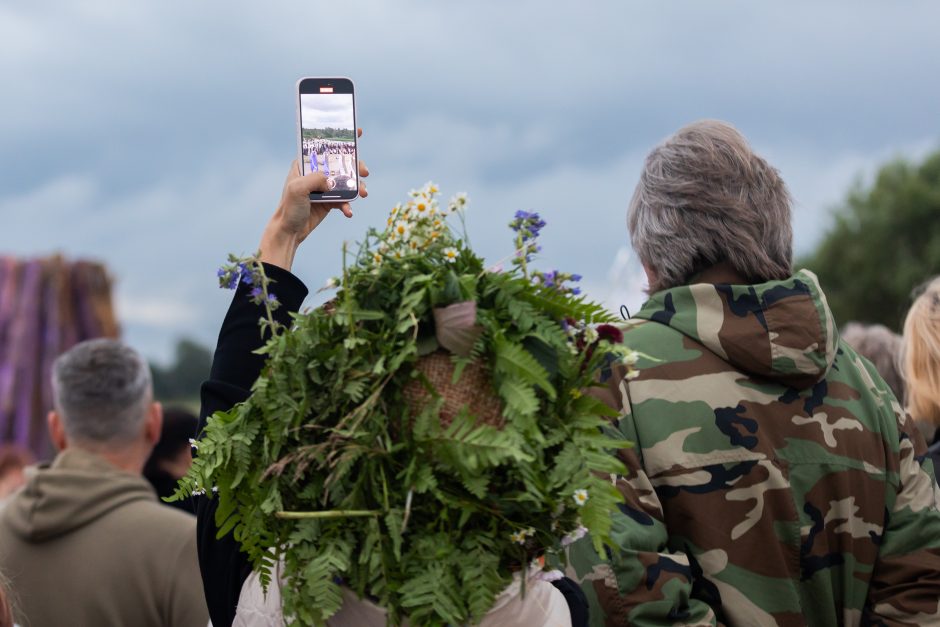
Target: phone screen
[328,135]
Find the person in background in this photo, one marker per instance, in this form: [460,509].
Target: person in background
[921,362]
[775,479]
[13,462]
[85,542]
[172,456]
[882,347]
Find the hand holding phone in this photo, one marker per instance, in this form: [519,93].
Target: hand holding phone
[297,216]
[327,140]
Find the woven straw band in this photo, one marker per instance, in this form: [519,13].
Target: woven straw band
[474,390]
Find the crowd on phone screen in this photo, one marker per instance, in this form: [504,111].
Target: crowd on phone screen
[84,537]
[318,153]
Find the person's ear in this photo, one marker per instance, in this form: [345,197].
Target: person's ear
[154,424]
[56,430]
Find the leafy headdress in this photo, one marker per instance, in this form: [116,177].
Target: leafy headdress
[423,436]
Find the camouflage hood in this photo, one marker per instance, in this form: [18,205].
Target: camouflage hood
[780,330]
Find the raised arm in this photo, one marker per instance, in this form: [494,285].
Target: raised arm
[235,367]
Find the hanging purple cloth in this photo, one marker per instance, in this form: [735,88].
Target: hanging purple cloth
[313,161]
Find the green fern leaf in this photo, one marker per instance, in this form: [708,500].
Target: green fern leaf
[514,360]
[519,397]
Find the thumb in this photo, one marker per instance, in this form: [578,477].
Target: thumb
[313,182]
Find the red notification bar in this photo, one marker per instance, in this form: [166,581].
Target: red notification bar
[326,90]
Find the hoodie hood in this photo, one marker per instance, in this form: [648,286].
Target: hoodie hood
[779,330]
[75,490]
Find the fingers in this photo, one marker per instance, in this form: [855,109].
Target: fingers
[346,209]
[313,182]
[293,172]
[363,192]
[359,132]
[363,170]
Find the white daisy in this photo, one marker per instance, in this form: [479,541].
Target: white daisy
[580,497]
[402,229]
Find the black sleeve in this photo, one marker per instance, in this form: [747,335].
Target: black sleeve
[577,601]
[234,369]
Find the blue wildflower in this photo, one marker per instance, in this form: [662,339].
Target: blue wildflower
[576,277]
[245,274]
[257,293]
[527,224]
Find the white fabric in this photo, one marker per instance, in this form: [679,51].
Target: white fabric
[543,606]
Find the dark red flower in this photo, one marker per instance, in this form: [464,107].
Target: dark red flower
[610,333]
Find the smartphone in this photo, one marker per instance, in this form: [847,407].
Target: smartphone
[326,138]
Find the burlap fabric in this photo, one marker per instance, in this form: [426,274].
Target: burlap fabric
[474,390]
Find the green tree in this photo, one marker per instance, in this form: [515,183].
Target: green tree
[885,242]
[180,381]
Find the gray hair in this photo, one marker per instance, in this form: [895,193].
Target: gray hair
[705,197]
[882,347]
[102,389]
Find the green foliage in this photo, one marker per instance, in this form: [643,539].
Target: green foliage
[180,380]
[333,134]
[429,518]
[885,242]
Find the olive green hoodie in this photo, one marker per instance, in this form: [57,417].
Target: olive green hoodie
[84,543]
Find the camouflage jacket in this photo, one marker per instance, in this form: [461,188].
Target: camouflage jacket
[775,479]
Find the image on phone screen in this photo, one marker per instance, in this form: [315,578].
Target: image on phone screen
[328,138]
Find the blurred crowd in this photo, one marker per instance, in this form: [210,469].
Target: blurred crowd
[94,521]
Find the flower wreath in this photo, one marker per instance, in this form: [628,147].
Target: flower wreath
[352,462]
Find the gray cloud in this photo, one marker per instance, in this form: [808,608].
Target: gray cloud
[156,137]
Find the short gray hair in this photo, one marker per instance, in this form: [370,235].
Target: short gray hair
[705,197]
[882,347]
[102,389]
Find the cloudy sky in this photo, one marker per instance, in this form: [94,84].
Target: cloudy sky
[327,110]
[155,136]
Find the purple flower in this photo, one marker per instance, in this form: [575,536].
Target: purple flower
[575,291]
[257,293]
[527,224]
[272,299]
[576,277]
[245,274]
[227,279]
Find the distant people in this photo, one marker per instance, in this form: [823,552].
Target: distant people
[13,462]
[921,361]
[775,479]
[882,347]
[172,456]
[85,542]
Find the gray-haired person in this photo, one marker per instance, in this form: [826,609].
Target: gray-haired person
[775,480]
[85,541]
[882,347]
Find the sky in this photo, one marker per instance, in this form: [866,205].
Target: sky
[326,111]
[155,136]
